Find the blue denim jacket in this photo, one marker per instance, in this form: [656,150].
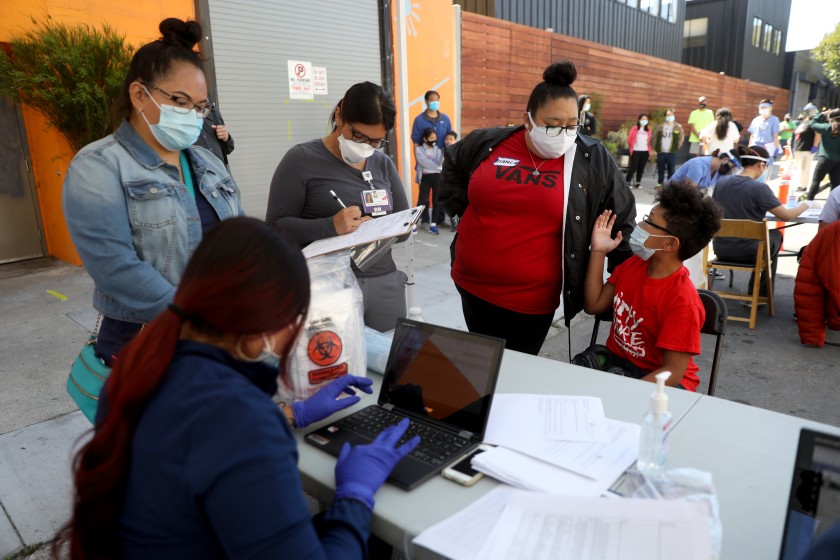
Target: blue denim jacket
[133,222]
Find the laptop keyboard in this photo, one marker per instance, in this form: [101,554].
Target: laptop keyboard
[436,446]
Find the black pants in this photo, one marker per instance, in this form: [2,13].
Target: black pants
[638,160]
[430,182]
[522,332]
[825,166]
[664,161]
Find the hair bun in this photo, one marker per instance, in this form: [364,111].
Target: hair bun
[560,73]
[182,33]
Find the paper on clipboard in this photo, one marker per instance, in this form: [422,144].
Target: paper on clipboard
[392,225]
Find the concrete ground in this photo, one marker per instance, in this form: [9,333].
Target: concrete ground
[45,315]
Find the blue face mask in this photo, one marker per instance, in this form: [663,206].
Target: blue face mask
[174,131]
[669,118]
[268,356]
[637,243]
[434,105]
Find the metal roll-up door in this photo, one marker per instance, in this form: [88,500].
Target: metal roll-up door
[252,43]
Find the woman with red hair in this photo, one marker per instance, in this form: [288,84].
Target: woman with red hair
[191,458]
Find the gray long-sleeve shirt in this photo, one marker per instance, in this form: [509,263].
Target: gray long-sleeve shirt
[300,201]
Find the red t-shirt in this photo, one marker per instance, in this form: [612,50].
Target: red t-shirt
[510,240]
[651,315]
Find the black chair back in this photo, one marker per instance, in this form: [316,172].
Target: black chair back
[715,324]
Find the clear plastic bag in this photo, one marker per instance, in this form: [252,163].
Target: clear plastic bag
[378,349]
[332,340]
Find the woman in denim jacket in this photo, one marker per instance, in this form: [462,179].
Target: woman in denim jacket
[138,201]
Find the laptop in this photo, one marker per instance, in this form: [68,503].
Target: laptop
[442,379]
[814,502]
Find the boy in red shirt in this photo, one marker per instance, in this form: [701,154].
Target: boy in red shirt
[657,314]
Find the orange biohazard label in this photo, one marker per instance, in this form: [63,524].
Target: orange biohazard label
[320,375]
[324,348]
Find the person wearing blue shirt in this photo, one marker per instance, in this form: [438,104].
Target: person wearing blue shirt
[765,128]
[431,118]
[191,458]
[704,171]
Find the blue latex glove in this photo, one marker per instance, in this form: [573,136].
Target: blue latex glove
[362,469]
[326,402]
[814,149]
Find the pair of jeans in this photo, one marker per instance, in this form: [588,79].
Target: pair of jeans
[638,160]
[825,166]
[664,161]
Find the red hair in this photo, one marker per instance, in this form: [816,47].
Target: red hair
[244,278]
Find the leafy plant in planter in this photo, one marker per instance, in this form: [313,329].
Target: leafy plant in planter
[70,73]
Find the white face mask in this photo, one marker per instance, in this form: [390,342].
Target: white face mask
[643,123]
[549,147]
[587,107]
[352,152]
[765,112]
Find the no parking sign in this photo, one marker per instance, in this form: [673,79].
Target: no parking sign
[300,80]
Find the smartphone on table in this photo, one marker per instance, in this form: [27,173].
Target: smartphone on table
[461,471]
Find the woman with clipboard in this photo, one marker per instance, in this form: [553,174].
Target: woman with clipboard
[329,186]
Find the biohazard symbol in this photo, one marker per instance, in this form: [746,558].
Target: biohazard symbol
[325,348]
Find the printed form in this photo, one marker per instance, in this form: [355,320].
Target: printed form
[392,225]
[544,417]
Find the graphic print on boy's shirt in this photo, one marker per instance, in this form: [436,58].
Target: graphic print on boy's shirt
[626,331]
[509,249]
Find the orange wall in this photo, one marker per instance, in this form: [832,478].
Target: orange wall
[430,41]
[48,149]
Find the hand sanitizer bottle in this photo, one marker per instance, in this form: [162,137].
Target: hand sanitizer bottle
[653,446]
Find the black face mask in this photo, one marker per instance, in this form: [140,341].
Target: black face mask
[702,105]
[430,143]
[725,168]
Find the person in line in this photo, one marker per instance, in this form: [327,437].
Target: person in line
[668,138]
[786,128]
[429,159]
[764,129]
[657,312]
[215,135]
[827,125]
[138,201]
[528,197]
[300,199]
[450,138]
[638,140]
[805,144]
[193,459]
[721,135]
[431,117]
[705,171]
[747,197]
[831,211]
[588,122]
[816,294]
[699,119]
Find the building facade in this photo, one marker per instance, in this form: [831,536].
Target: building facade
[651,27]
[740,38]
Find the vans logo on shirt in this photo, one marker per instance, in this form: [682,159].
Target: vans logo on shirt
[506,162]
[524,175]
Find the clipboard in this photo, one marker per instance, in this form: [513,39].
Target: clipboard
[386,227]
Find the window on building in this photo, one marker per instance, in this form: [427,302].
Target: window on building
[668,10]
[756,32]
[631,3]
[777,42]
[649,6]
[694,32]
[767,43]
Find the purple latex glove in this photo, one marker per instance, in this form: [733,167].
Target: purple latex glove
[814,149]
[361,470]
[326,402]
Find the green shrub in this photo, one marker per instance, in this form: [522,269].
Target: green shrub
[70,73]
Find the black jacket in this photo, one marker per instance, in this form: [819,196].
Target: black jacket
[208,139]
[596,185]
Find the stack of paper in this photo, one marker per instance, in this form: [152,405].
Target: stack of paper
[508,524]
[556,444]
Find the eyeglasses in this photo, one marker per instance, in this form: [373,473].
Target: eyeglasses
[363,139]
[646,219]
[558,130]
[184,104]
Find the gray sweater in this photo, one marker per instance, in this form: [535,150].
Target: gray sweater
[300,201]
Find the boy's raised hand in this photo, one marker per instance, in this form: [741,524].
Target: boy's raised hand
[602,240]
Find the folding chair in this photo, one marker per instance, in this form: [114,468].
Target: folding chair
[746,229]
[715,324]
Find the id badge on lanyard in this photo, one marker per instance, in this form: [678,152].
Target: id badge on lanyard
[375,202]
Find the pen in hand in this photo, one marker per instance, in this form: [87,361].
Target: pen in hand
[335,196]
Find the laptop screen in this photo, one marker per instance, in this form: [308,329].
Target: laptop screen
[814,503]
[442,374]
